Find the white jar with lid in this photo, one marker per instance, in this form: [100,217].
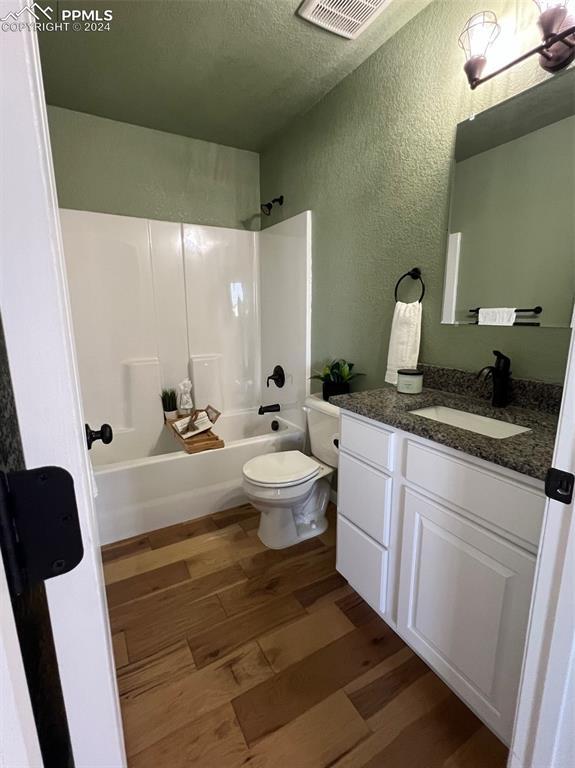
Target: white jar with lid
[409,381]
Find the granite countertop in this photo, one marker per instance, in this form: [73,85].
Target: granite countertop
[530,453]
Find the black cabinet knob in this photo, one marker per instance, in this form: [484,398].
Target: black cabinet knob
[104,434]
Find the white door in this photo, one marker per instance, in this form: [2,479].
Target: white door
[19,746]
[35,313]
[544,735]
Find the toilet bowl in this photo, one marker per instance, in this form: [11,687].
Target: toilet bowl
[291,490]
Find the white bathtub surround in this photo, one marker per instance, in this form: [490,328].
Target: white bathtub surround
[145,494]
[285,286]
[221,278]
[155,302]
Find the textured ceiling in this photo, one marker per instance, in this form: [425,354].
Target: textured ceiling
[228,71]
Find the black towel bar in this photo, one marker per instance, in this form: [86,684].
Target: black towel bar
[415,274]
[533,311]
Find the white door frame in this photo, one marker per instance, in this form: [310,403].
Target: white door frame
[36,316]
[544,733]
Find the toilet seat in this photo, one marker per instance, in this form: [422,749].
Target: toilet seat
[281,470]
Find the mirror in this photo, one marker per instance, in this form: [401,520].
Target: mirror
[512,220]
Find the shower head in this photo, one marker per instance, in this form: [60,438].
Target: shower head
[266,208]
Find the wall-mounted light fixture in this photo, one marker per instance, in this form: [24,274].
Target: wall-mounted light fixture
[556,51]
[266,208]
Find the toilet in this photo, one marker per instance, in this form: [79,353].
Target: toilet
[291,490]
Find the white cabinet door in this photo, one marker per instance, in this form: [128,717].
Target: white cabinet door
[363,563]
[364,497]
[463,606]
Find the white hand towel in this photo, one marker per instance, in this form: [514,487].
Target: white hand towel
[496,316]
[404,339]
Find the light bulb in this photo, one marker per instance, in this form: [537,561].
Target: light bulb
[478,34]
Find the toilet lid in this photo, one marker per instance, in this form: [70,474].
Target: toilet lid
[284,468]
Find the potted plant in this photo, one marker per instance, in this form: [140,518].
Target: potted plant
[335,378]
[169,404]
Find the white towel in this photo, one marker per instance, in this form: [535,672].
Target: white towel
[404,339]
[496,316]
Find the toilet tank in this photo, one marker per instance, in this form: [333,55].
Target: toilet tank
[323,425]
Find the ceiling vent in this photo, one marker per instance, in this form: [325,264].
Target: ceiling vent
[347,18]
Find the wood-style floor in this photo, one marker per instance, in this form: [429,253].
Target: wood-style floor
[230,654]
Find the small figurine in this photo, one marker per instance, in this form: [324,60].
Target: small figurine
[185,402]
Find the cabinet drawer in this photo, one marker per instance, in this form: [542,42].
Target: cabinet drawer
[368,442]
[363,563]
[499,501]
[364,497]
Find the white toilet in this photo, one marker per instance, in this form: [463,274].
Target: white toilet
[290,489]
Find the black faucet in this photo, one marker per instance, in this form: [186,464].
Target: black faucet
[268,409]
[278,377]
[501,375]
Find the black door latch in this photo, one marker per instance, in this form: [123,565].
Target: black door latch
[104,434]
[559,485]
[40,534]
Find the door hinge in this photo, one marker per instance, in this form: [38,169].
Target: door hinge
[40,534]
[559,485]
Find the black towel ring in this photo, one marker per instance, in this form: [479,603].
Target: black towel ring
[415,274]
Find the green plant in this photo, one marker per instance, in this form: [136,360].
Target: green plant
[169,400]
[339,371]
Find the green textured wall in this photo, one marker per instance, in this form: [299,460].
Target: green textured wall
[111,167]
[372,161]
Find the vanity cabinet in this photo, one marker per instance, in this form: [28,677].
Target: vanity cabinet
[443,546]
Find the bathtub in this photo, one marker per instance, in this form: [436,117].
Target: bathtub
[140,495]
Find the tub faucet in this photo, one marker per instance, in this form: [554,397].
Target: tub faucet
[501,375]
[268,409]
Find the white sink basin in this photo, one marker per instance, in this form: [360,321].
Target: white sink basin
[483,425]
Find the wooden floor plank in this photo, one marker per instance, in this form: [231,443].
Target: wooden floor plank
[279,580]
[250,523]
[324,591]
[429,741]
[181,532]
[261,563]
[380,692]
[293,642]
[274,703]
[235,515]
[220,640]
[168,664]
[172,618]
[222,539]
[211,560]
[483,750]
[125,548]
[387,665]
[414,701]
[190,696]
[356,609]
[146,583]
[314,740]
[213,741]
[120,649]
[160,607]
[407,708]
[197,686]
